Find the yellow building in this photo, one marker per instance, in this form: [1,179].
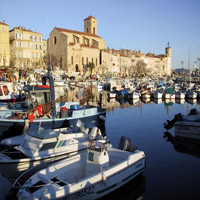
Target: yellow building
[72,50]
[109,62]
[26,48]
[4,45]
[159,65]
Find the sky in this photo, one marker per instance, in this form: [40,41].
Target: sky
[146,25]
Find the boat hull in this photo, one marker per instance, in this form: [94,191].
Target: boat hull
[12,170]
[94,185]
[13,127]
[101,189]
[187,129]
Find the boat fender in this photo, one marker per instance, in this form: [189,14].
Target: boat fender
[102,117]
[26,125]
[103,176]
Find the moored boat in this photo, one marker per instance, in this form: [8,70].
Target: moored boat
[179,95]
[191,94]
[133,95]
[157,95]
[185,125]
[92,174]
[40,147]
[42,108]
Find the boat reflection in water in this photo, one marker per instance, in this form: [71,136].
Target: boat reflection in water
[180,101]
[183,144]
[157,101]
[191,101]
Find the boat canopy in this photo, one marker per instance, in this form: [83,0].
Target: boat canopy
[169,90]
[41,133]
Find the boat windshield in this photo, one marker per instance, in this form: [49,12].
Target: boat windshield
[42,133]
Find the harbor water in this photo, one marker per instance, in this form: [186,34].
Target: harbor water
[172,170]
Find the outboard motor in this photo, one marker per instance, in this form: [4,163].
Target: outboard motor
[125,144]
[169,124]
[95,132]
[77,126]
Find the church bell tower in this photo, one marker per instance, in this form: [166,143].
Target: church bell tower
[90,25]
[168,50]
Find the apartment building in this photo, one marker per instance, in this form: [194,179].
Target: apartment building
[26,48]
[4,45]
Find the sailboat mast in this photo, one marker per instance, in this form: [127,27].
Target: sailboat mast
[189,66]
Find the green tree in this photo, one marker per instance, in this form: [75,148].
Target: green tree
[91,67]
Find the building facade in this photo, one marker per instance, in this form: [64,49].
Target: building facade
[129,63]
[72,50]
[4,45]
[26,48]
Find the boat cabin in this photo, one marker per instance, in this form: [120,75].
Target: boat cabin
[37,95]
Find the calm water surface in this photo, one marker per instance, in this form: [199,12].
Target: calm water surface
[170,173]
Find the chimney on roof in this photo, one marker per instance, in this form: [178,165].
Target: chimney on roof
[4,21]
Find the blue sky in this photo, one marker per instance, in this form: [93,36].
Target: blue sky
[146,25]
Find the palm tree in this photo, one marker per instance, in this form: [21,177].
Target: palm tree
[91,66]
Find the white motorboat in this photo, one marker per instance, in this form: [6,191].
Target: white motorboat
[133,95]
[185,125]
[91,174]
[42,146]
[157,95]
[112,95]
[187,129]
[191,94]
[179,95]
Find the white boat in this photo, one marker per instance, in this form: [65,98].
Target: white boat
[42,146]
[91,174]
[112,95]
[188,129]
[185,123]
[133,95]
[179,95]
[157,95]
[190,94]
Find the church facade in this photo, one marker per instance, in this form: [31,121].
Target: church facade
[72,50]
